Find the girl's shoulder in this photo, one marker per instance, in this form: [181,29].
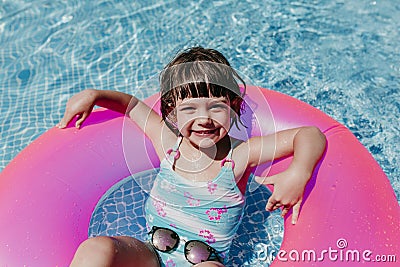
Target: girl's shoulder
[235,143]
[166,140]
[240,156]
[239,149]
[239,144]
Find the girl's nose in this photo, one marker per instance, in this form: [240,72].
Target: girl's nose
[203,114]
[204,120]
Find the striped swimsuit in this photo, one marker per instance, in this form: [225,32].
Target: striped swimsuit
[208,211]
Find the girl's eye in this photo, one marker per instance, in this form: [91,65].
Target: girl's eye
[187,109]
[219,107]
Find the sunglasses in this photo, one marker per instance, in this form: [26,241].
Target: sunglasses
[196,251]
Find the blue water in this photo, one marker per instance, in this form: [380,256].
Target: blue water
[339,56]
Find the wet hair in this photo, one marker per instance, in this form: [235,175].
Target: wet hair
[200,72]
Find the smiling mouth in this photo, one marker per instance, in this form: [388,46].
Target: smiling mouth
[204,132]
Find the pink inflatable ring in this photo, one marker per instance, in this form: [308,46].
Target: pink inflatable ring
[48,192]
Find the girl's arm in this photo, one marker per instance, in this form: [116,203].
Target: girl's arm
[307,145]
[82,104]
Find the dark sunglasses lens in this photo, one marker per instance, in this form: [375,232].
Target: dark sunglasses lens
[197,252]
[164,239]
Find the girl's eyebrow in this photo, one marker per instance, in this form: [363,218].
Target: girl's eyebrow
[185,103]
[212,101]
[220,102]
[226,101]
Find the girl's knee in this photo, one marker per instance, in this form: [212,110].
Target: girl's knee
[99,244]
[96,249]
[114,251]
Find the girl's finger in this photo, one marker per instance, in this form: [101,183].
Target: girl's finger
[285,210]
[64,121]
[273,204]
[296,212]
[81,118]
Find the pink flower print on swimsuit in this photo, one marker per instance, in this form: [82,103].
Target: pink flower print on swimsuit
[159,206]
[212,187]
[214,214]
[170,263]
[207,235]
[191,200]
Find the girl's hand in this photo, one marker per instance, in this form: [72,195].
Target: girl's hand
[288,192]
[80,104]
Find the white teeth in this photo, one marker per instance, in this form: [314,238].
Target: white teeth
[205,132]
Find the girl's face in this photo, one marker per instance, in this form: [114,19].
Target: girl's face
[203,121]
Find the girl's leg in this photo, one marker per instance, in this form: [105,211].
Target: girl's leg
[114,251]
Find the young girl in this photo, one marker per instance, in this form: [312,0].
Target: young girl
[196,202]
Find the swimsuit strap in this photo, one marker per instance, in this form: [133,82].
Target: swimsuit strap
[229,156]
[175,148]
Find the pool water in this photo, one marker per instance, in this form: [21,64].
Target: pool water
[339,56]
